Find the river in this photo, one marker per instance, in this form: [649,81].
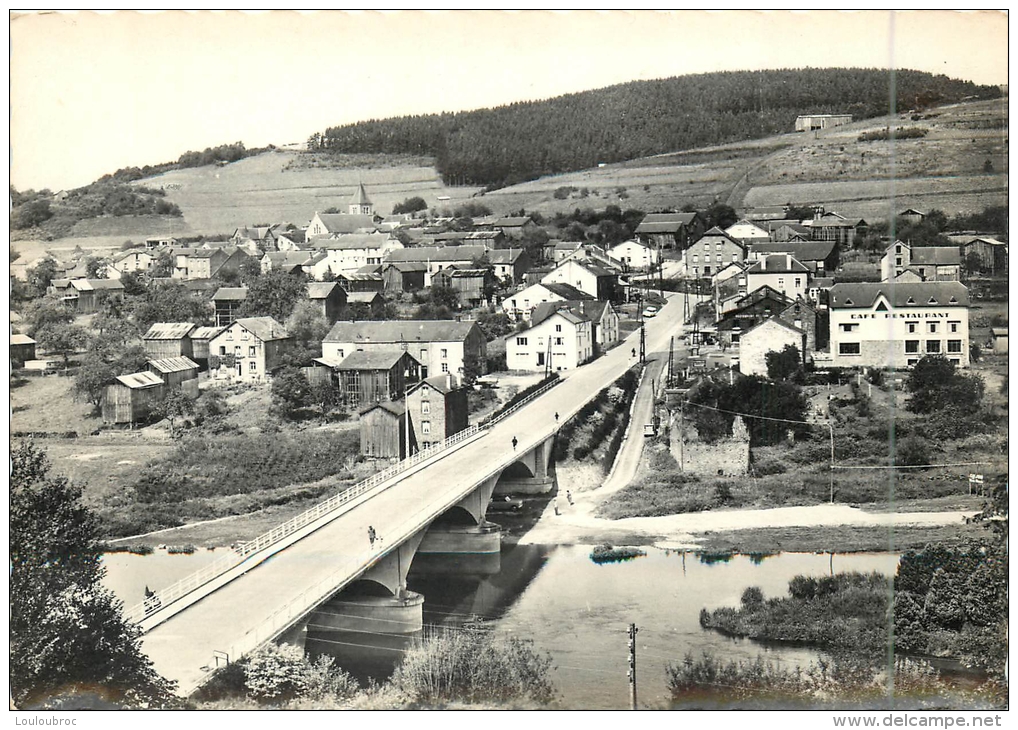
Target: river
[572,608]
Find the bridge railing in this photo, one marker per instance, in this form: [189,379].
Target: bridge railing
[152,604]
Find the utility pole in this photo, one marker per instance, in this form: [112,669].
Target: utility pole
[671,362]
[830,425]
[632,666]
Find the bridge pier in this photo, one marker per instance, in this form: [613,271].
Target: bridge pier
[530,474]
[460,550]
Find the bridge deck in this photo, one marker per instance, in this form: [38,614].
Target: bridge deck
[260,604]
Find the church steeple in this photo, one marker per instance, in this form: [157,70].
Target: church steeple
[360,203]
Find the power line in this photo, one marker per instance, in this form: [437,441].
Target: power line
[749,415]
[920,466]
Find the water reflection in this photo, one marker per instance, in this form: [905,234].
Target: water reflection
[574,609]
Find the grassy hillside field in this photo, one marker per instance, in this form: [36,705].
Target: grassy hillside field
[945,170]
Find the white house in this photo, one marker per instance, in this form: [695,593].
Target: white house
[330,224]
[443,346]
[771,335]
[929,263]
[437,258]
[586,276]
[563,341]
[781,273]
[603,318]
[136,259]
[519,305]
[351,252]
[635,255]
[893,325]
[248,350]
[748,232]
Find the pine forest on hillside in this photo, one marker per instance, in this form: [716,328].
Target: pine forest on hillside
[522,141]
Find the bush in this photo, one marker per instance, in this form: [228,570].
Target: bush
[752,598]
[473,666]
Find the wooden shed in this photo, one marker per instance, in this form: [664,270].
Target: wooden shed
[168,339]
[200,338]
[228,300]
[177,372]
[328,295]
[383,431]
[129,398]
[22,348]
[368,377]
[404,276]
[998,336]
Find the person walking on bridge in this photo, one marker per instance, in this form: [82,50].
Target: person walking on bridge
[514,443]
[556,416]
[372,536]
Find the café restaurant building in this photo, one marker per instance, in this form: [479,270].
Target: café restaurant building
[893,325]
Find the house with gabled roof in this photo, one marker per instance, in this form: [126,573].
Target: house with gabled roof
[438,409]
[289,261]
[748,232]
[820,257]
[635,256]
[249,349]
[587,276]
[135,260]
[510,264]
[351,252]
[564,340]
[514,226]
[748,311]
[442,346]
[519,305]
[333,224]
[770,335]
[670,230]
[712,252]
[781,272]
[894,325]
[930,263]
[603,317]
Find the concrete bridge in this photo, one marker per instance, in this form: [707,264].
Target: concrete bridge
[322,568]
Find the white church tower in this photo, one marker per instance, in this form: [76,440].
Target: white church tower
[360,203]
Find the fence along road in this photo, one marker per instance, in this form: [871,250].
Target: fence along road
[250,604]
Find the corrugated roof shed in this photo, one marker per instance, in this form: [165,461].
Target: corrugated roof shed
[321,289]
[230,293]
[168,331]
[173,364]
[433,253]
[22,340]
[137,381]
[205,333]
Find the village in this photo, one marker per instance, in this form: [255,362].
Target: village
[516,303]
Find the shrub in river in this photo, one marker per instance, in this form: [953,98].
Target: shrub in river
[606,553]
[473,666]
[277,675]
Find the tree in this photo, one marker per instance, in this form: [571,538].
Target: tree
[95,268]
[169,303]
[494,324]
[92,377]
[291,391]
[410,205]
[133,285]
[973,263]
[42,275]
[31,214]
[308,326]
[325,394]
[175,405]
[62,339]
[784,365]
[720,215]
[67,633]
[163,265]
[936,386]
[274,294]
[45,312]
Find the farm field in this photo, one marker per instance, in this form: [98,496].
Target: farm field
[291,186]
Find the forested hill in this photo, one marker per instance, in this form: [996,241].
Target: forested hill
[523,141]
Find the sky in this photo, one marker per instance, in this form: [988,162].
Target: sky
[91,93]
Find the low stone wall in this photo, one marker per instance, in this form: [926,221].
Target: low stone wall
[725,457]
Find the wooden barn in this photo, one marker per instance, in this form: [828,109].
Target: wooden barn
[355,281]
[368,377]
[404,276]
[383,431]
[329,296]
[469,284]
[22,348]
[373,300]
[177,372]
[228,300]
[168,339]
[200,338]
[129,398]
[90,292]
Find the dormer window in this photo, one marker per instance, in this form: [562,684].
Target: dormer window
[910,300]
[849,302]
[953,300]
[932,301]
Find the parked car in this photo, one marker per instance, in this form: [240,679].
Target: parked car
[507,503]
[650,312]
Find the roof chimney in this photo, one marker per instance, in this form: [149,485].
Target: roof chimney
[448,381]
[788,262]
[763,263]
